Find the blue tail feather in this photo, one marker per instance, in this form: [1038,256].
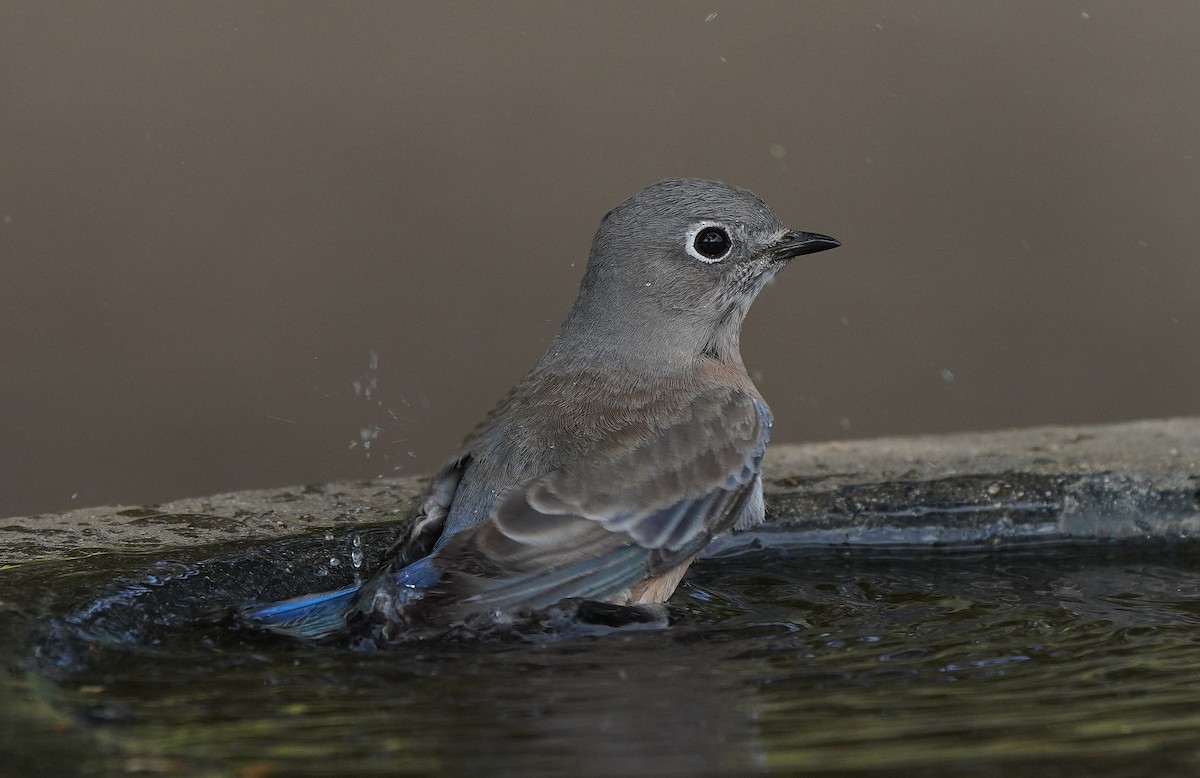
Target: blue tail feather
[316,616]
[310,617]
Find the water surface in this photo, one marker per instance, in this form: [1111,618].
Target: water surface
[1068,660]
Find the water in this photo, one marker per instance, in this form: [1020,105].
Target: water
[1062,660]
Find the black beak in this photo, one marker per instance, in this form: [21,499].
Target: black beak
[794,244]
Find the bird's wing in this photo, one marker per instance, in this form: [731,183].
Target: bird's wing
[623,514]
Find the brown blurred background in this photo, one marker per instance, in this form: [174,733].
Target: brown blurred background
[212,215]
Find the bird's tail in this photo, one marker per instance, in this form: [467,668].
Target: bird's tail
[311,617]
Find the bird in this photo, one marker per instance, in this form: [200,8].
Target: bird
[636,439]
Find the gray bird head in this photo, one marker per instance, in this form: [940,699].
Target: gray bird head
[673,271]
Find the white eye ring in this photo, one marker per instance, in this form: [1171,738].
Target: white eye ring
[694,234]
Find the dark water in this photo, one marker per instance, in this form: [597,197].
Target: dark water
[1062,661]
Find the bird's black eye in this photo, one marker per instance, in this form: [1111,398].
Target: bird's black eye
[712,243]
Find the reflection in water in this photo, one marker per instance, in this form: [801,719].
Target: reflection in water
[865,660]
